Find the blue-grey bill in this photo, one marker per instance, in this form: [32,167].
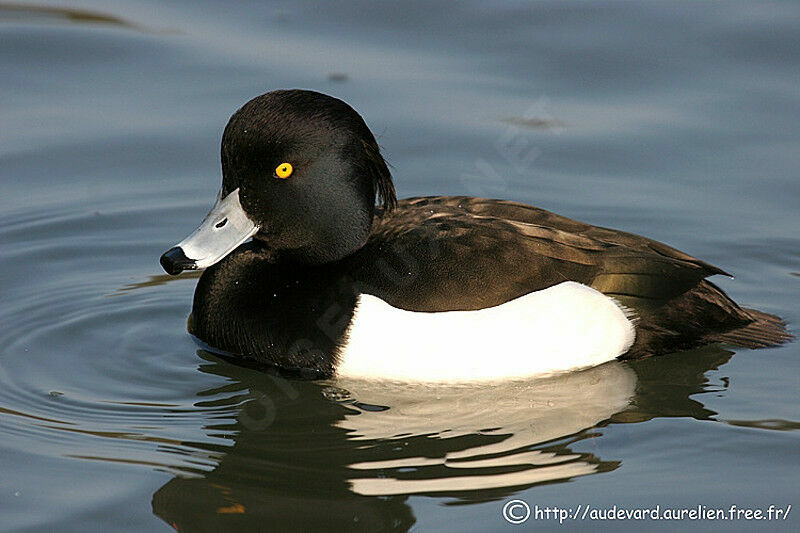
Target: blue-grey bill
[225,227]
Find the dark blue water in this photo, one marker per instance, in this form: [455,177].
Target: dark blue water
[675,120]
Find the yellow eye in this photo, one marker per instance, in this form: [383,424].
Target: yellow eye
[284,170]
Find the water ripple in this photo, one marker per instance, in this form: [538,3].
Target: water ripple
[83,374]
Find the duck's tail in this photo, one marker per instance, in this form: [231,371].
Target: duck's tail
[765,330]
[705,315]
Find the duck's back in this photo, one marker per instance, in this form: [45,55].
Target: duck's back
[435,254]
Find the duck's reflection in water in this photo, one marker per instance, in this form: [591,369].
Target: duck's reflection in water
[511,418]
[314,455]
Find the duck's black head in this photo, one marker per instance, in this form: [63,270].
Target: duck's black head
[300,174]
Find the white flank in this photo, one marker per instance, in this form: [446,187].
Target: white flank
[564,327]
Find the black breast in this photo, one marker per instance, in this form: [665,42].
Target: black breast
[289,315]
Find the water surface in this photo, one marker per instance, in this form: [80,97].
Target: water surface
[679,121]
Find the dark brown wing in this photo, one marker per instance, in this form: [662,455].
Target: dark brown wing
[483,252]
